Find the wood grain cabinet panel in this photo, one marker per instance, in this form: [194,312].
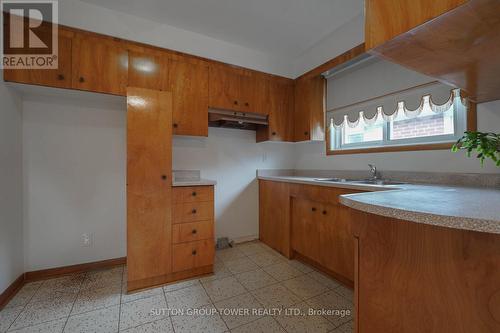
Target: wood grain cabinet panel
[185,194]
[274,216]
[224,88]
[149,192]
[310,94]
[306,227]
[193,211]
[276,98]
[188,80]
[99,64]
[193,255]
[58,78]
[148,68]
[386,19]
[193,231]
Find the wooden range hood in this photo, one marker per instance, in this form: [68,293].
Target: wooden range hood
[460,47]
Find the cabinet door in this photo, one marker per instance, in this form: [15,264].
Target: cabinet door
[99,65]
[336,240]
[224,88]
[310,109]
[59,78]
[148,69]
[188,82]
[149,192]
[306,219]
[247,98]
[274,215]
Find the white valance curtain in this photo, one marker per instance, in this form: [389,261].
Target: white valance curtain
[410,102]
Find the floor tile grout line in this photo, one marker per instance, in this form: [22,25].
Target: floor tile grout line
[213,304]
[120,303]
[74,301]
[25,306]
[168,307]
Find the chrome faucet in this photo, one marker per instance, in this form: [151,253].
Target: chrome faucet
[373,172]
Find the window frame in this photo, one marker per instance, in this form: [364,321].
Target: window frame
[412,144]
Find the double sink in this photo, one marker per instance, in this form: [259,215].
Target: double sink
[380,182]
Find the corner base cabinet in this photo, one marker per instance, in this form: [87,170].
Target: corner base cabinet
[307,222]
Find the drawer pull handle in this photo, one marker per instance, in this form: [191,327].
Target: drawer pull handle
[81,79]
[164,177]
[193,194]
[193,211]
[175,125]
[193,253]
[235,102]
[324,212]
[273,133]
[60,77]
[313,209]
[194,231]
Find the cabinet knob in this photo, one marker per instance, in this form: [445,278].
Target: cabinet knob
[164,177]
[324,212]
[193,253]
[273,133]
[81,79]
[306,133]
[60,77]
[193,194]
[313,209]
[175,125]
[235,102]
[194,231]
[247,104]
[193,211]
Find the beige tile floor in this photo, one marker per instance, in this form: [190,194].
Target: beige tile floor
[251,284]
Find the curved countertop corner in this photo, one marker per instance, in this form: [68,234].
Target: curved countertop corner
[467,208]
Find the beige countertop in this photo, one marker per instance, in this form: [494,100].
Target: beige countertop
[197,182]
[457,207]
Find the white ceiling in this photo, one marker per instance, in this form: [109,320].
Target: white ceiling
[277,27]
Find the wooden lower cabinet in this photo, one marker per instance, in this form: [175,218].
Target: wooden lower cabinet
[412,277]
[193,229]
[309,222]
[274,216]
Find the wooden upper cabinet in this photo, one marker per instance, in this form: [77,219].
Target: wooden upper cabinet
[59,78]
[99,64]
[386,19]
[457,42]
[147,68]
[276,98]
[310,94]
[188,81]
[233,88]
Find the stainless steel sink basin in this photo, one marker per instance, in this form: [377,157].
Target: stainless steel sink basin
[381,182]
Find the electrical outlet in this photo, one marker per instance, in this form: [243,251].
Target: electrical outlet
[87,239]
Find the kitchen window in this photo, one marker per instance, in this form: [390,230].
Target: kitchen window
[397,120]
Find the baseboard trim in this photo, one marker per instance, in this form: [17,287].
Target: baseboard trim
[72,269]
[11,291]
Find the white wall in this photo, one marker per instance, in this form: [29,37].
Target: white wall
[11,218]
[341,40]
[231,157]
[74,177]
[311,155]
[102,20]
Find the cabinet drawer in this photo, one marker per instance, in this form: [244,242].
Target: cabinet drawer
[193,254]
[193,211]
[193,194]
[193,231]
